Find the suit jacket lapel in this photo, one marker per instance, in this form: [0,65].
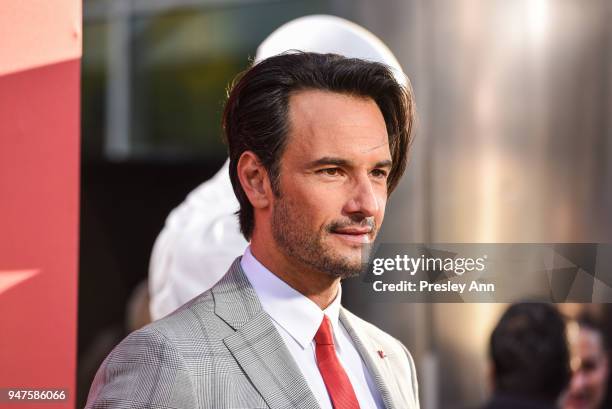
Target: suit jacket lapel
[257,346]
[369,353]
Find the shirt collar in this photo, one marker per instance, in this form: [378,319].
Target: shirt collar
[295,313]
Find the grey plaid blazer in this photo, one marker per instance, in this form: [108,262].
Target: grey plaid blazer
[221,350]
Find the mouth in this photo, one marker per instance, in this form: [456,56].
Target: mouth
[578,401]
[359,235]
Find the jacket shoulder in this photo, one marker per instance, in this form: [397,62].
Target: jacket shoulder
[187,320]
[156,365]
[144,369]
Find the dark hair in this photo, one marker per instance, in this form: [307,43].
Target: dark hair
[530,352]
[256,113]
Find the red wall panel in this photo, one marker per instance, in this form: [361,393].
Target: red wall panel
[39,197]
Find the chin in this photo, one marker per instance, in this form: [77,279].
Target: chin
[351,262]
[348,251]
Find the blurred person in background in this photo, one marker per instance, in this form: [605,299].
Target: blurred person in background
[529,358]
[201,236]
[589,361]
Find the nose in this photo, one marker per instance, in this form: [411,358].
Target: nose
[578,381]
[363,199]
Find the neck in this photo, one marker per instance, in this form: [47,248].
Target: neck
[318,286]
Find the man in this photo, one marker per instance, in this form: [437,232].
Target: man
[317,142]
[530,358]
[589,381]
[203,230]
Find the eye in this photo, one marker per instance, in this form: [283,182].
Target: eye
[329,171]
[589,365]
[379,173]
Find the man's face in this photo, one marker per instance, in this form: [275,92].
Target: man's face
[333,181]
[590,371]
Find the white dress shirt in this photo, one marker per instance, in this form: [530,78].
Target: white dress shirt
[297,319]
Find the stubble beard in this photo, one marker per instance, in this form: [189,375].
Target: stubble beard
[289,230]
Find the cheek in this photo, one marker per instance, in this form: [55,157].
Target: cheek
[599,376]
[323,197]
[316,206]
[382,203]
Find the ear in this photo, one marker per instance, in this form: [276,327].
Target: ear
[254,180]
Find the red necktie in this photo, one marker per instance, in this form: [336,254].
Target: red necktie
[336,381]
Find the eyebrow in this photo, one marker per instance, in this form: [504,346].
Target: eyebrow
[330,160]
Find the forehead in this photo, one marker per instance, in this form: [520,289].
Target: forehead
[590,342]
[323,123]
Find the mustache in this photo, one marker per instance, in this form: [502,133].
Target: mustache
[341,224]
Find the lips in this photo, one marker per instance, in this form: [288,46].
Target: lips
[578,400]
[354,234]
[353,230]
